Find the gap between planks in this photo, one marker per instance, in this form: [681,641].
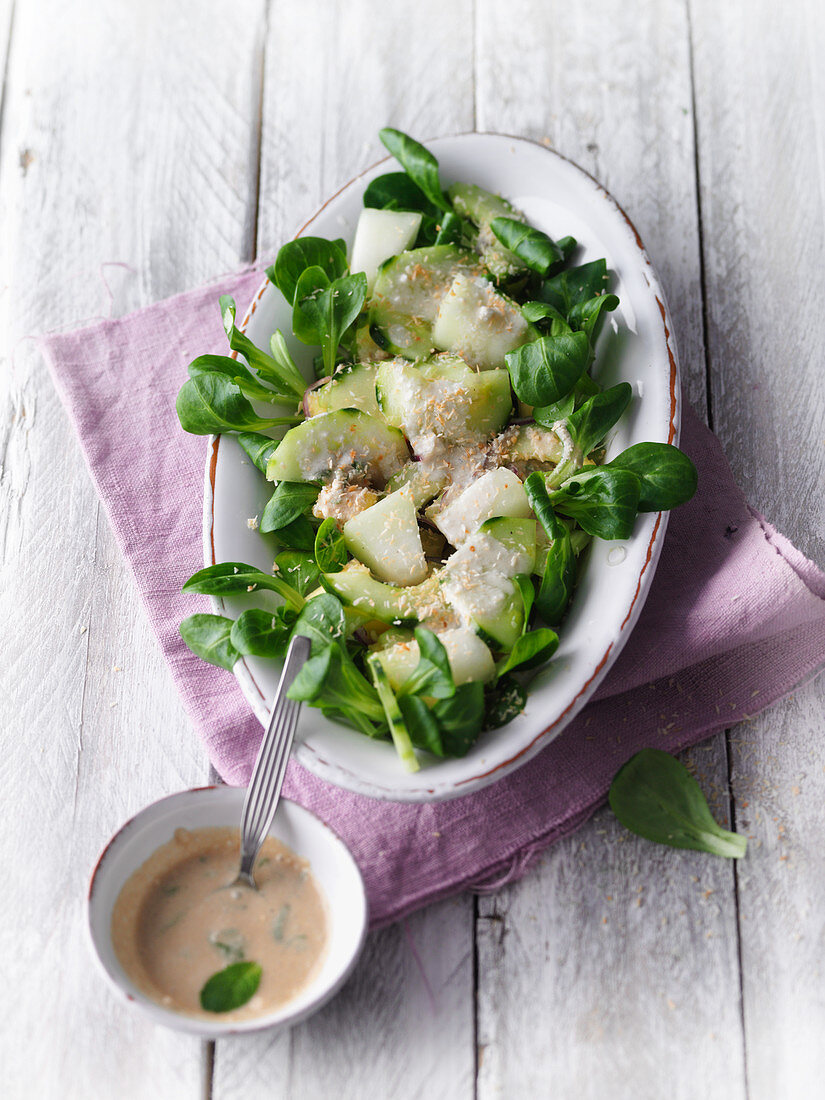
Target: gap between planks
[703,285]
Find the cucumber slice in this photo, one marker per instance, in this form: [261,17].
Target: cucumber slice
[366,348]
[483,553]
[345,439]
[421,482]
[481,207]
[502,628]
[352,387]
[374,599]
[393,635]
[379,235]
[517,535]
[386,539]
[532,443]
[479,324]
[444,398]
[496,493]
[407,293]
[469,657]
[476,582]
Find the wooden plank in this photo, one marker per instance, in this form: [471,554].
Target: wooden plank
[401,1027]
[613,960]
[613,95]
[145,109]
[368,66]
[372,66]
[609,967]
[760,101]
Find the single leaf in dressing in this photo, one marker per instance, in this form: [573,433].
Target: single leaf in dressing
[231,987]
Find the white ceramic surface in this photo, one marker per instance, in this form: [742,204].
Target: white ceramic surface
[635,346]
[334,868]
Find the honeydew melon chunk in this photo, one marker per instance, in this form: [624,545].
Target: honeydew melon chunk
[496,493]
[352,387]
[516,534]
[443,398]
[479,323]
[341,440]
[469,657]
[421,481]
[379,235]
[386,539]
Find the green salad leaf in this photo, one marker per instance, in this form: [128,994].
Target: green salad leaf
[535,249]
[281,372]
[504,702]
[448,727]
[547,369]
[211,403]
[322,620]
[236,372]
[258,633]
[667,476]
[290,500]
[298,569]
[325,309]
[574,286]
[398,191]
[259,448]
[331,552]
[209,637]
[603,501]
[558,577]
[531,650]
[418,162]
[432,676]
[655,796]
[296,256]
[232,577]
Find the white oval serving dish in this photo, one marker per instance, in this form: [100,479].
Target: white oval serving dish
[331,863]
[636,345]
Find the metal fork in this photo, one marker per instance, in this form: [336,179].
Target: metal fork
[264,788]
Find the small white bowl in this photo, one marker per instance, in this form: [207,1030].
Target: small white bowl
[331,863]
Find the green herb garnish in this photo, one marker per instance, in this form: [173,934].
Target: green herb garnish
[231,987]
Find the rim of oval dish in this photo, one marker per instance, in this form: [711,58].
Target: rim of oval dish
[533,740]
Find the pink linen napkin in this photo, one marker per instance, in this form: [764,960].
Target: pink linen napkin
[735,619]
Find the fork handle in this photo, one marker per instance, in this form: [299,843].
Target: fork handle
[264,788]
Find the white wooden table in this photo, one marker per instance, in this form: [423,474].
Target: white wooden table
[148,146]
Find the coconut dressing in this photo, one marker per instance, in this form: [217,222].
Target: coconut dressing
[177,922]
